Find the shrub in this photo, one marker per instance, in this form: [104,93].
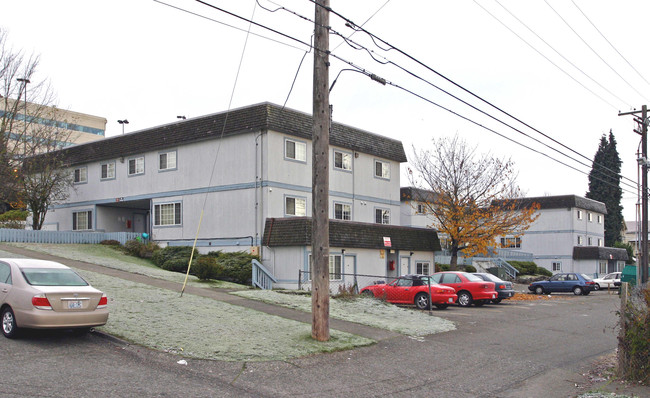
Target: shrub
[177,264]
[206,268]
[524,267]
[141,249]
[110,242]
[160,257]
[442,267]
[470,268]
[236,266]
[544,271]
[14,215]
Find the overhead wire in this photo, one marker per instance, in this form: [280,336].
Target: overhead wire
[371,75]
[594,51]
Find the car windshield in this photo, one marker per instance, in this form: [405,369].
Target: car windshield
[52,277]
[472,277]
[586,277]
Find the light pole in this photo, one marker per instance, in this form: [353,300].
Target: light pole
[123,122]
[24,81]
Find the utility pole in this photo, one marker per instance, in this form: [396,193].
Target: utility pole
[643,161]
[320,237]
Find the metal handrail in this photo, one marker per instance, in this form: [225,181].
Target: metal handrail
[262,277]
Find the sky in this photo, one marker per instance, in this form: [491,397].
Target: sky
[565,68]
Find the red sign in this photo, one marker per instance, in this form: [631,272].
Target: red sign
[387,241]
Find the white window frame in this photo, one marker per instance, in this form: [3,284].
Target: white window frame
[163,220]
[580,240]
[81,175]
[600,242]
[590,217]
[420,208]
[602,266]
[511,242]
[589,241]
[171,160]
[579,214]
[343,211]
[556,266]
[296,199]
[298,155]
[335,261]
[82,220]
[109,175]
[137,161]
[344,166]
[600,219]
[423,267]
[385,216]
[385,169]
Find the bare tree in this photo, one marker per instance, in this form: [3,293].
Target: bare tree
[471,199]
[30,127]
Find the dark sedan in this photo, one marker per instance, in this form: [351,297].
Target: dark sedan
[564,282]
[505,289]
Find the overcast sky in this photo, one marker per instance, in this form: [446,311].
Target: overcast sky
[149,63]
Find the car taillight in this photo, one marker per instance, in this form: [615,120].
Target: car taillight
[590,283]
[502,286]
[41,302]
[103,302]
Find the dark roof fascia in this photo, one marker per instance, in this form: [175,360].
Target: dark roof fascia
[416,194]
[564,201]
[599,253]
[296,231]
[255,118]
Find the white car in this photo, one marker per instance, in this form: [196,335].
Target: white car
[607,281]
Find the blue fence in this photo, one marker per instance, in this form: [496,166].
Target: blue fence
[32,236]
[262,277]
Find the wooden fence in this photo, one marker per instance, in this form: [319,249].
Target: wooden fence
[32,236]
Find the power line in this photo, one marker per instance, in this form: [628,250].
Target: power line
[594,51]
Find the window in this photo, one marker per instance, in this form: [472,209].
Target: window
[557,266]
[136,166]
[602,267]
[108,171]
[600,242]
[420,209]
[382,169]
[382,216]
[5,273]
[511,242]
[343,161]
[590,217]
[589,241]
[167,160]
[579,214]
[80,175]
[167,214]
[82,220]
[295,150]
[342,211]
[335,267]
[580,240]
[422,267]
[295,206]
[600,219]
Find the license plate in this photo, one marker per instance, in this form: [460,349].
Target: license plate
[509,294]
[73,305]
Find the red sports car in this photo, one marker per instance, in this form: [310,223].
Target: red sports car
[412,289]
[469,288]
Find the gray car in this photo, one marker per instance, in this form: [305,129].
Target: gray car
[505,289]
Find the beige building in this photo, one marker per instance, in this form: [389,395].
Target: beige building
[71,127]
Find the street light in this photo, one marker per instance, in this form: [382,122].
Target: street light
[123,122]
[181,117]
[24,81]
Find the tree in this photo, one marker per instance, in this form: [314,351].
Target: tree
[604,186]
[28,131]
[475,199]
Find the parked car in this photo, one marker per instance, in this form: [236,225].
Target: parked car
[505,289]
[607,281]
[470,288]
[564,282]
[43,294]
[412,289]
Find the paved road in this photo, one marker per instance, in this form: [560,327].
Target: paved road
[515,349]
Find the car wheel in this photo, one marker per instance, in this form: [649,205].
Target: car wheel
[9,327]
[367,293]
[464,299]
[479,303]
[422,301]
[586,292]
[497,301]
[442,306]
[596,287]
[539,290]
[577,290]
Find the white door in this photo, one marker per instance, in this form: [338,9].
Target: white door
[405,266]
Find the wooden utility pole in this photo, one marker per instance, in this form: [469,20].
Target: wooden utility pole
[320,299]
[642,268]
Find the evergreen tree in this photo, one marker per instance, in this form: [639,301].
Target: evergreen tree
[604,186]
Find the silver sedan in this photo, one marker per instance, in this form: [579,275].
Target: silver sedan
[43,294]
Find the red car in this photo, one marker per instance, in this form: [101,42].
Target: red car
[412,289]
[469,288]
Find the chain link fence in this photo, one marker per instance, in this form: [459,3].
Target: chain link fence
[341,283]
[634,336]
